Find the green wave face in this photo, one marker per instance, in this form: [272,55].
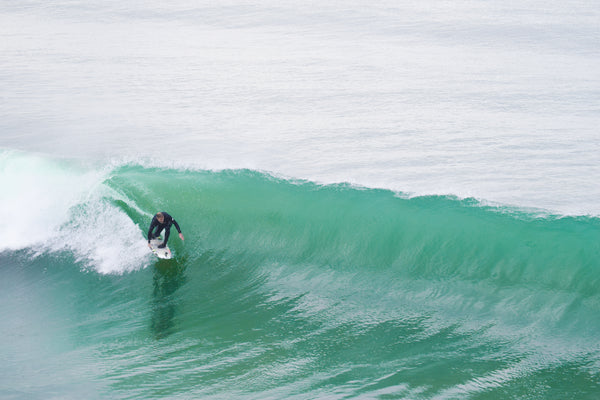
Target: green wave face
[350,229]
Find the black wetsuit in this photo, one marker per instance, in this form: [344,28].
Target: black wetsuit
[166,225]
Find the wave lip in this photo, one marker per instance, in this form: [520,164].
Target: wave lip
[57,204]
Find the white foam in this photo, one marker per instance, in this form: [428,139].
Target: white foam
[50,205]
[103,238]
[36,196]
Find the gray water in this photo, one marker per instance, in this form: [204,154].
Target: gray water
[493,100]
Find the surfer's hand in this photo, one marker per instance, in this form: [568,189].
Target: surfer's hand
[181,236]
[149,245]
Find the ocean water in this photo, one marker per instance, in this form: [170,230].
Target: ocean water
[396,200]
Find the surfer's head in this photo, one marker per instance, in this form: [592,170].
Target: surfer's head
[160,217]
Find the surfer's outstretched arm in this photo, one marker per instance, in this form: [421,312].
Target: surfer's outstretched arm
[178,230]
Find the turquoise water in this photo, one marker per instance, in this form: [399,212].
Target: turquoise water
[290,289]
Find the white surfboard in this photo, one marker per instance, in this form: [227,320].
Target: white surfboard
[160,253]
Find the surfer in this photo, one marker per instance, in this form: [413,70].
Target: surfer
[161,221]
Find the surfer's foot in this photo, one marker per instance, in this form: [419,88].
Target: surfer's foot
[162,245]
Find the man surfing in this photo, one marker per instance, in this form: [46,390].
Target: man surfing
[161,221]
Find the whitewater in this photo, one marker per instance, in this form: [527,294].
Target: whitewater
[387,200]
